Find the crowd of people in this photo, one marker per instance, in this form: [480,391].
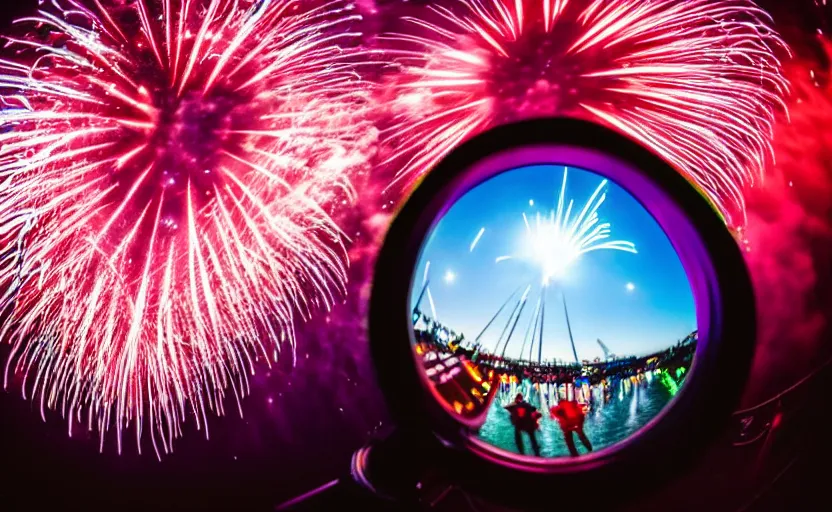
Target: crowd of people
[678,356]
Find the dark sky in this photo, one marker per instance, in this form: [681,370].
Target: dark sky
[16,9]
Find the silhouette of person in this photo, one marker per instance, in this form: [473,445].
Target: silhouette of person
[524,417]
[571,418]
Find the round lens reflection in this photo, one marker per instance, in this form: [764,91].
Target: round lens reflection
[551,313]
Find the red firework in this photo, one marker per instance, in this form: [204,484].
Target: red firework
[698,81]
[166,175]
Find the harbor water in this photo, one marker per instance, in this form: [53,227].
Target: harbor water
[630,404]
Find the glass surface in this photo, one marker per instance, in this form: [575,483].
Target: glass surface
[551,312]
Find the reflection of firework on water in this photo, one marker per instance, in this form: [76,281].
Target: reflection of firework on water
[167,170]
[698,81]
[560,239]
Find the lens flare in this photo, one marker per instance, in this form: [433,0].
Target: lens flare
[168,173]
[698,81]
[556,242]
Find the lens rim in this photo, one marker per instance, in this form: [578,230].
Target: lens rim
[681,432]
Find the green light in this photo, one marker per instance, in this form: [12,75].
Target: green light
[669,384]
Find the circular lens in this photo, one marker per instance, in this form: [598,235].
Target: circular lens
[555,301]
[551,312]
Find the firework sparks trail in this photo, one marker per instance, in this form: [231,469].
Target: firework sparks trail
[166,174]
[560,239]
[698,81]
[432,306]
[476,239]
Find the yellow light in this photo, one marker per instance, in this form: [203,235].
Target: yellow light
[473,371]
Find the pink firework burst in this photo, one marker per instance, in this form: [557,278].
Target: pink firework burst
[698,81]
[167,171]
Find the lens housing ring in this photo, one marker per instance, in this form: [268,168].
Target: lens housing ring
[716,270]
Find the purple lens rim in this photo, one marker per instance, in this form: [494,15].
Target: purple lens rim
[681,233]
